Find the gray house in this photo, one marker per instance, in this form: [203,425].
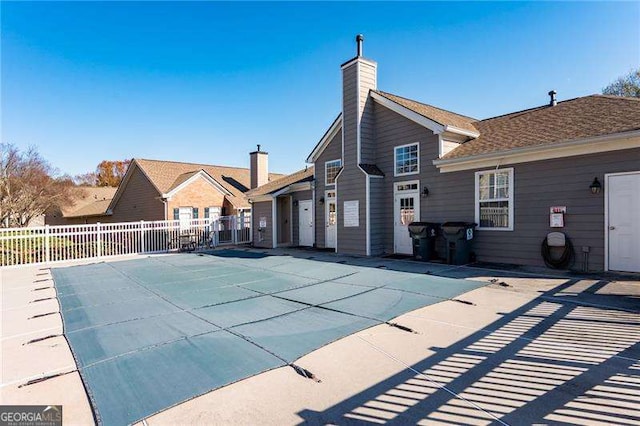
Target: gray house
[570,166]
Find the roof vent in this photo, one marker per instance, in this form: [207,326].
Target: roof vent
[359,40]
[552,96]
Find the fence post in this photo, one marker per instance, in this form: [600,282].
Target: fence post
[142,248]
[234,226]
[47,244]
[99,240]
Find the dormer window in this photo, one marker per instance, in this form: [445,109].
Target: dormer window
[406,159]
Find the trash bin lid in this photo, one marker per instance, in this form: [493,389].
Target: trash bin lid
[423,229]
[452,228]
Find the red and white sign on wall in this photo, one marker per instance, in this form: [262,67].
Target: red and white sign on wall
[556,216]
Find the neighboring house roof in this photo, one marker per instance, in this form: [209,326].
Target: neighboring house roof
[575,119]
[439,115]
[304,175]
[97,208]
[166,176]
[92,201]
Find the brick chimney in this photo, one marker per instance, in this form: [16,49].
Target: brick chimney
[259,167]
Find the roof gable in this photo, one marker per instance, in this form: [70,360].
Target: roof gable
[186,179]
[328,136]
[166,176]
[435,119]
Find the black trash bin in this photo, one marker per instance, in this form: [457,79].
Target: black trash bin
[424,236]
[459,239]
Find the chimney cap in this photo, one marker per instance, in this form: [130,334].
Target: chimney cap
[359,40]
[552,95]
[258,151]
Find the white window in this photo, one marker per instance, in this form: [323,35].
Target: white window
[406,159]
[331,169]
[494,199]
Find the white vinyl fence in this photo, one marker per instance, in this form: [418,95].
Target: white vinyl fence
[45,244]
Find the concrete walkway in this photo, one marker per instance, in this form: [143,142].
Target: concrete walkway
[521,350]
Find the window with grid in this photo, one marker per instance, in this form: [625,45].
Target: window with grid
[406,159]
[331,169]
[494,199]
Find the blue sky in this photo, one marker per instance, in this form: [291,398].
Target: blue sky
[205,82]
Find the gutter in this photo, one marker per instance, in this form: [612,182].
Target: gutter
[549,148]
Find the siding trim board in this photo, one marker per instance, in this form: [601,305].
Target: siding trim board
[326,139]
[201,173]
[607,143]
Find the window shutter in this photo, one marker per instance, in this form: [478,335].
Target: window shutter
[195,212]
[176,214]
[206,212]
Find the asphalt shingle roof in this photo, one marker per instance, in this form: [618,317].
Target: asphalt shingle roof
[278,184]
[439,115]
[589,116]
[166,175]
[91,201]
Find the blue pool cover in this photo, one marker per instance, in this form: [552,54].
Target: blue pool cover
[151,333]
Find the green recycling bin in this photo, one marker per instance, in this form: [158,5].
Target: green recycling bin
[459,241]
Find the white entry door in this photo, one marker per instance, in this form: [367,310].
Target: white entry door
[406,210]
[330,220]
[185,215]
[624,221]
[305,223]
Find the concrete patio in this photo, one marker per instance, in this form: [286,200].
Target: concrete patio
[523,349]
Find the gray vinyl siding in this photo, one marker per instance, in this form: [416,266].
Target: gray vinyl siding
[537,186]
[367,119]
[351,187]
[351,184]
[333,151]
[392,130]
[258,210]
[543,184]
[377,215]
[295,220]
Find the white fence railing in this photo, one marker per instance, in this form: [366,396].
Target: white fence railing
[45,244]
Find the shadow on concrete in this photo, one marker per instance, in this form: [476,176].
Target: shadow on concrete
[549,361]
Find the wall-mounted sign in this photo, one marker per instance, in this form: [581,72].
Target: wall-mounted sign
[556,216]
[263,222]
[556,220]
[351,213]
[558,209]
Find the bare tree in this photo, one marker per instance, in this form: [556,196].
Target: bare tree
[28,186]
[628,85]
[86,179]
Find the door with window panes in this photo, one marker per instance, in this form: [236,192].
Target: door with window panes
[406,210]
[330,215]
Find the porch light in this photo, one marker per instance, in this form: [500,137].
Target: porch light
[295,203]
[321,200]
[595,186]
[425,192]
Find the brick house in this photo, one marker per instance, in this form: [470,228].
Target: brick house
[170,190]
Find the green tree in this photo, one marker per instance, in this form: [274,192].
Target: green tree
[627,85]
